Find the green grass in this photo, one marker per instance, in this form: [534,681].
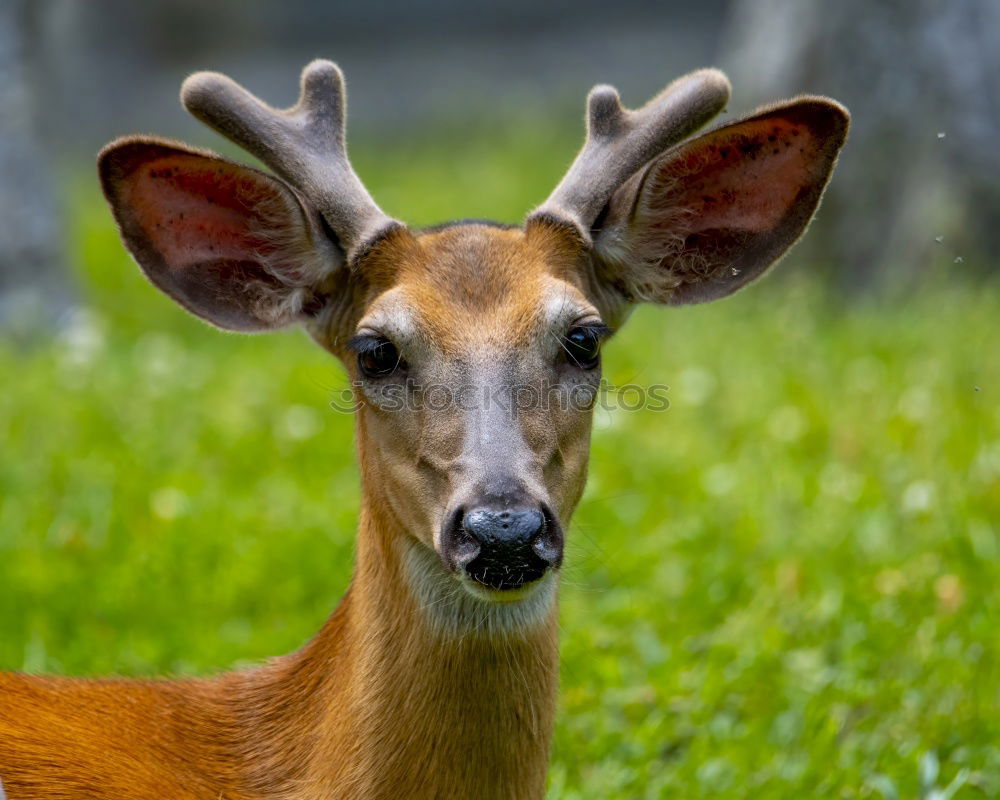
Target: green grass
[785,586]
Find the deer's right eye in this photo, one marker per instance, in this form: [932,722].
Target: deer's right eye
[377,357]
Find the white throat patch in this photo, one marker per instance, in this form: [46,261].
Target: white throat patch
[459,607]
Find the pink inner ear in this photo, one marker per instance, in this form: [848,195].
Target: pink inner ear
[745,178]
[194,210]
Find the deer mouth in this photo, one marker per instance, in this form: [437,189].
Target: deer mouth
[507,576]
[510,596]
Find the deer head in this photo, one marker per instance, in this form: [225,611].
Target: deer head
[474,347]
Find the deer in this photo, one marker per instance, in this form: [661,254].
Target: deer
[437,674]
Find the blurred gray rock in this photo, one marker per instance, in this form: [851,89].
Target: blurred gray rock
[919,181]
[35,284]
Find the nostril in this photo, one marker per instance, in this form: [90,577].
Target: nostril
[459,546]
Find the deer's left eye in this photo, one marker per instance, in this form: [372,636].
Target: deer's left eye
[583,345]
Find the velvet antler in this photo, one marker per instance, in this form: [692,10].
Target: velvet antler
[620,141]
[303,144]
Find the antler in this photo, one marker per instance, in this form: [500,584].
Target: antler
[619,141]
[303,144]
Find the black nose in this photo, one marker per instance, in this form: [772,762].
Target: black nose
[505,548]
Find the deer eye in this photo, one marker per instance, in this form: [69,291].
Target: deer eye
[583,345]
[377,356]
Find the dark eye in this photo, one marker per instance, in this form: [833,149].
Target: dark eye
[583,346]
[378,358]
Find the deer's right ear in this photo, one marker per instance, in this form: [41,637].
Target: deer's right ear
[230,244]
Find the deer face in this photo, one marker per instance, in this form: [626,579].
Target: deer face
[477,365]
[473,348]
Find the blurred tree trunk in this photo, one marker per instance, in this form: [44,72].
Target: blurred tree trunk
[919,181]
[34,282]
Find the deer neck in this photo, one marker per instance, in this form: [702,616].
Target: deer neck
[414,689]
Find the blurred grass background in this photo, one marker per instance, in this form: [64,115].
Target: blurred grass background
[784,586]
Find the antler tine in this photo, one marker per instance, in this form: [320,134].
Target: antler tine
[303,144]
[620,141]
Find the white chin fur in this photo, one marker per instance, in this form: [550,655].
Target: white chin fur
[458,606]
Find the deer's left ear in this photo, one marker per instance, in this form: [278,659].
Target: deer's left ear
[708,216]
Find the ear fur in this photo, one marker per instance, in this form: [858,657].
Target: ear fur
[229,243]
[710,215]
